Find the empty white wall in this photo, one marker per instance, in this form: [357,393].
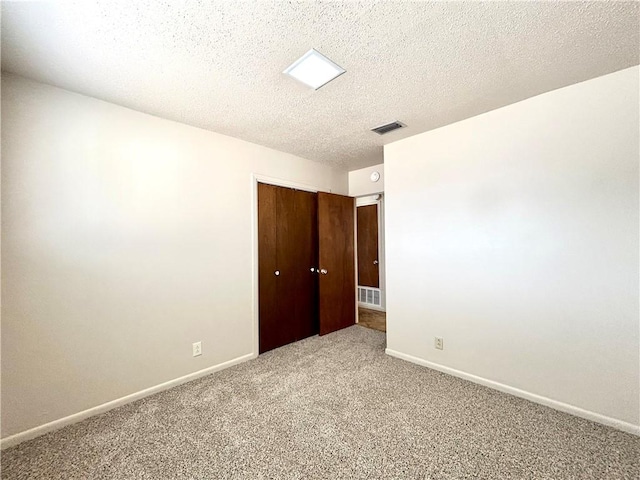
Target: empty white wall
[360,183]
[125,238]
[514,236]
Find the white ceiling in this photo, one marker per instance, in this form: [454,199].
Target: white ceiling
[218,64]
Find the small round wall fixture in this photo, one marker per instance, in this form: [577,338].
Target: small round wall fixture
[375,176]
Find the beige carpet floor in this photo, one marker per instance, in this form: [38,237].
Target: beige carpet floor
[332,407]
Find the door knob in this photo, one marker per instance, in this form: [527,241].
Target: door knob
[375,262]
[276,273]
[323,271]
[313,270]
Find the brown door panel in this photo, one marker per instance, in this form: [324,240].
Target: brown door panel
[267,266]
[288,245]
[306,257]
[336,257]
[368,270]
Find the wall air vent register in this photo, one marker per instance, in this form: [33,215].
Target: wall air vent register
[389,127]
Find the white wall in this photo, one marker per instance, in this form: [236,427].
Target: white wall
[360,183]
[125,238]
[514,235]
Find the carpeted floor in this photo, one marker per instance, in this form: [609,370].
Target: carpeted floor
[332,407]
[372,319]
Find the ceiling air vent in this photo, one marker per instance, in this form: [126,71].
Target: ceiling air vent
[389,127]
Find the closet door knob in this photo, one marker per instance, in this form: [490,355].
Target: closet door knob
[276,273]
[313,269]
[323,271]
[375,262]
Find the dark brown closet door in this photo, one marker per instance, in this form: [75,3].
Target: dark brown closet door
[297,246]
[272,331]
[303,248]
[337,262]
[287,250]
[368,246]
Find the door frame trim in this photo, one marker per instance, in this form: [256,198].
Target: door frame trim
[278,182]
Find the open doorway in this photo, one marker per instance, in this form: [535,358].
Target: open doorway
[371,281]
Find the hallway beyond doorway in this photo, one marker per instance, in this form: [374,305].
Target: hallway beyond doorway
[372,319]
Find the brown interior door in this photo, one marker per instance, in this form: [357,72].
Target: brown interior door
[337,285]
[287,249]
[368,272]
[301,250]
[270,309]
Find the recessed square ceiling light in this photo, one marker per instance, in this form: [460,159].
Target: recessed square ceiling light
[314,69]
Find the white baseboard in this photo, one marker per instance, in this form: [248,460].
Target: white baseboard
[548,402]
[105,407]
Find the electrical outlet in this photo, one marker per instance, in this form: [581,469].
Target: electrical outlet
[197,349]
[439,343]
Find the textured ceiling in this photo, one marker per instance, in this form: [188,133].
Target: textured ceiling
[218,64]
